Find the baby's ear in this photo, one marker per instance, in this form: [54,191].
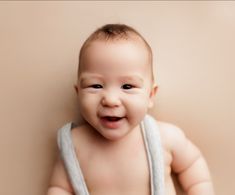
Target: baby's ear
[152,95]
[76,88]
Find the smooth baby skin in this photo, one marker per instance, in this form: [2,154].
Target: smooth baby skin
[115,91]
[109,168]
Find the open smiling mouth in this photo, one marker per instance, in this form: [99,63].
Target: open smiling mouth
[112,118]
[112,122]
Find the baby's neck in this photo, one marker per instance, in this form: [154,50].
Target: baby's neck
[131,139]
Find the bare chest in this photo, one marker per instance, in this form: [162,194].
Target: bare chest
[119,170]
[116,172]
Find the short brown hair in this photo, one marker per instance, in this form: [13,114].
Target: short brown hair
[114,32]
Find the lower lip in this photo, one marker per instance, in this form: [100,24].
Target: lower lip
[111,124]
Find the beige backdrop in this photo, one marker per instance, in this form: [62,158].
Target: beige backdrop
[194,53]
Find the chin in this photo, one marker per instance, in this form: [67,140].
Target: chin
[113,136]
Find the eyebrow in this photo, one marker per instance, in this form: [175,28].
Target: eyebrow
[90,75]
[100,77]
[133,77]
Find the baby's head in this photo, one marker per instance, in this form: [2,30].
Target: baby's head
[114,33]
[115,80]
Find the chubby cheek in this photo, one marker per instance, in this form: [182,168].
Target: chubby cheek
[87,104]
[138,107]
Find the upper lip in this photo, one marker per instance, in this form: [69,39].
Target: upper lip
[110,115]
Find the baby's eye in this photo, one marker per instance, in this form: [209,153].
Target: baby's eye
[127,86]
[96,86]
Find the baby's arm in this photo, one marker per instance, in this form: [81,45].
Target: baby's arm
[59,184]
[190,166]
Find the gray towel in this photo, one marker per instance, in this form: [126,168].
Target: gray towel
[153,147]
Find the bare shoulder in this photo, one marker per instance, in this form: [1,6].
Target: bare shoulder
[169,128]
[170,131]
[182,149]
[80,133]
[83,136]
[79,129]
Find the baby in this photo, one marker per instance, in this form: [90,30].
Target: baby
[120,149]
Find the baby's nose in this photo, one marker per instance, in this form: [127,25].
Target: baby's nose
[110,100]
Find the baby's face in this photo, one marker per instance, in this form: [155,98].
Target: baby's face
[115,86]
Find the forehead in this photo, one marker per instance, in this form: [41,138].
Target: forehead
[115,52]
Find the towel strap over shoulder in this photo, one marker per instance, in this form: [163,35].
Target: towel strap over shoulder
[69,157]
[155,155]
